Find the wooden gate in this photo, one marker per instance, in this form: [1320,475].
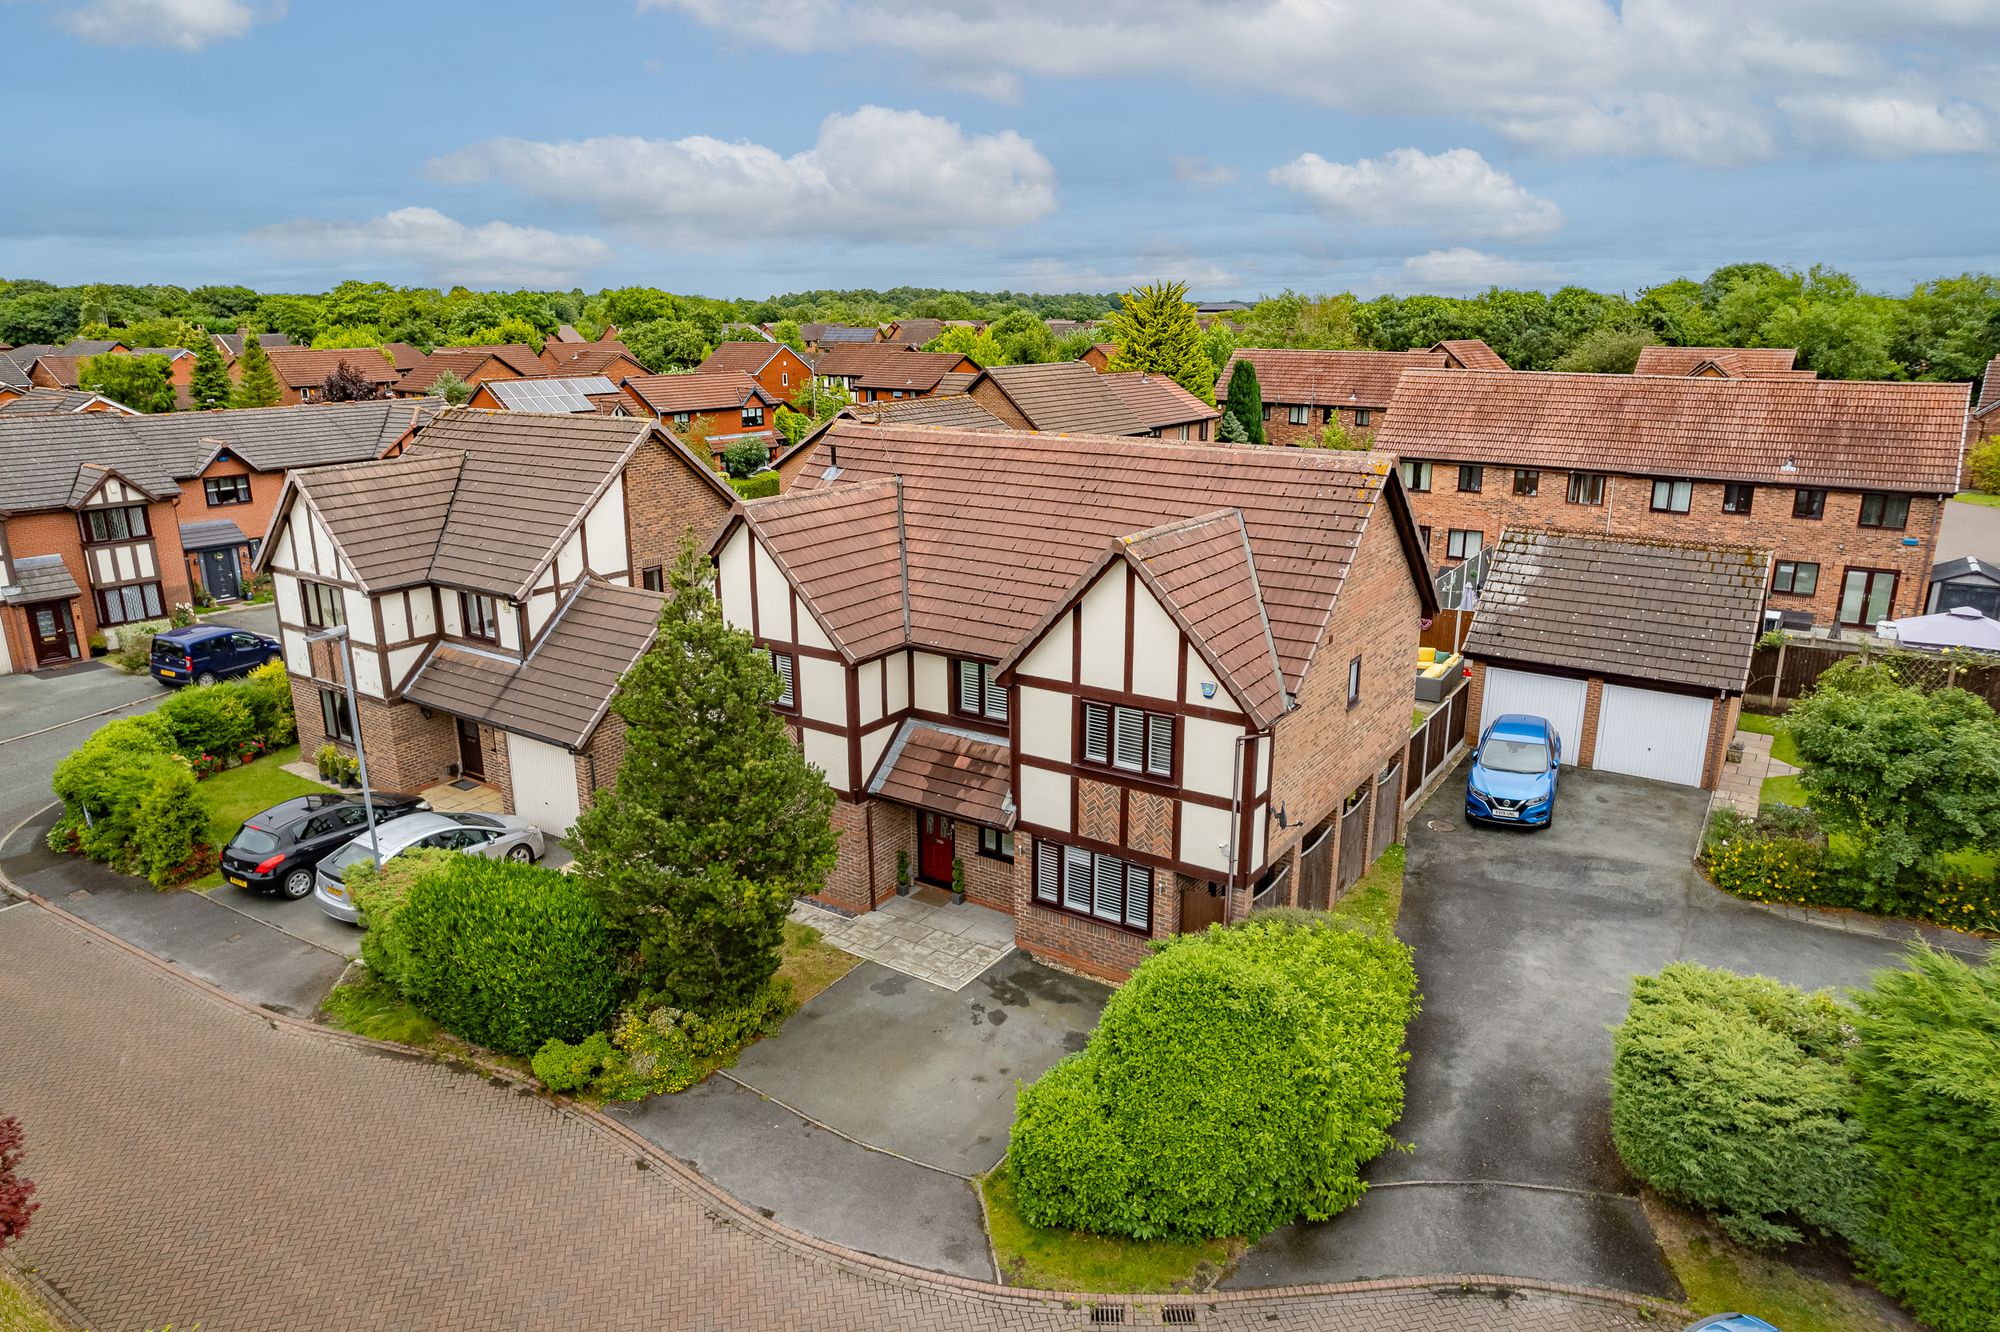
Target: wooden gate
[1316,868]
[1354,837]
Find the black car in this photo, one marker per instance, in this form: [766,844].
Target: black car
[280,847]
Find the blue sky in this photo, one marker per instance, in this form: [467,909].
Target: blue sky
[745,147]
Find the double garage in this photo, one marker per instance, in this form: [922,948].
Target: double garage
[1616,727]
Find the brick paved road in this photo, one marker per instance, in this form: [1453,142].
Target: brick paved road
[201,1162]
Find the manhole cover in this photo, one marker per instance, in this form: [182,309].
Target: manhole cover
[1440,825]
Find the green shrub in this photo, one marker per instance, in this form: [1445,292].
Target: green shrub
[182,615]
[267,691]
[1238,1081]
[563,1067]
[1983,467]
[741,460]
[665,1049]
[379,894]
[1731,1093]
[135,646]
[502,954]
[1928,1071]
[103,781]
[760,486]
[170,842]
[213,720]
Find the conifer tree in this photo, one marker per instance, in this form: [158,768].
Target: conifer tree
[257,384]
[1157,332]
[1230,430]
[210,388]
[1246,400]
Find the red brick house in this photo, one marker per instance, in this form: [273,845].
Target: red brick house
[1304,391]
[302,371]
[1844,482]
[1099,356]
[585,393]
[472,364]
[610,358]
[874,372]
[1119,686]
[1469,354]
[779,370]
[1721,362]
[732,409]
[492,600]
[1067,397]
[39,401]
[1167,410]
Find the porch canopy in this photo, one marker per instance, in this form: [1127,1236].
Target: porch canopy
[946,771]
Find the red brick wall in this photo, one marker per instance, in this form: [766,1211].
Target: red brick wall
[597,765]
[771,377]
[1835,542]
[1278,427]
[663,499]
[989,881]
[848,887]
[406,751]
[993,400]
[55,532]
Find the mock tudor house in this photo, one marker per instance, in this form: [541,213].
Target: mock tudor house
[953,411]
[778,370]
[496,579]
[1118,685]
[1305,391]
[733,408]
[1843,481]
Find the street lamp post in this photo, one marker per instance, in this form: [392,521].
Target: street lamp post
[338,633]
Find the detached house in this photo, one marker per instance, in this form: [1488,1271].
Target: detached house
[1469,354]
[874,372]
[778,370]
[39,401]
[1121,686]
[1305,391]
[1720,362]
[733,408]
[302,372]
[588,393]
[1164,408]
[474,365]
[609,358]
[1058,397]
[1844,482]
[495,579]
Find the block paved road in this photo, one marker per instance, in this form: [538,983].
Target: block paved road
[200,1161]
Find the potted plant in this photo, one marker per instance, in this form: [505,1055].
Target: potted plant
[957,881]
[350,772]
[902,874]
[329,759]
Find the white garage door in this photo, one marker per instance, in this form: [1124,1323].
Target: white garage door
[1555,697]
[1648,733]
[544,783]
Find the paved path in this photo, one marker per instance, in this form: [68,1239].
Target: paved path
[1969,529]
[200,1162]
[1742,785]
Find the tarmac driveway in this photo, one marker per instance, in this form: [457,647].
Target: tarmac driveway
[1526,943]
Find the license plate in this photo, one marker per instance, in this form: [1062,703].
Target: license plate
[240,883]
[165,671]
[1506,813]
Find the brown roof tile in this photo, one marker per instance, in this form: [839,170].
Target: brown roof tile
[1202,571]
[406,357]
[853,360]
[690,392]
[910,371]
[460,361]
[1328,378]
[1157,401]
[1471,354]
[739,357]
[589,358]
[1842,433]
[303,367]
[1066,397]
[1647,610]
[947,770]
[518,355]
[1734,362]
[953,411]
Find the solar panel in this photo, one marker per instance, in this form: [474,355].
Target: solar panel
[550,395]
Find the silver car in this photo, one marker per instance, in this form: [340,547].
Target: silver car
[499,836]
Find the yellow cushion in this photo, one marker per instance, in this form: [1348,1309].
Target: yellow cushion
[1427,655]
[1433,672]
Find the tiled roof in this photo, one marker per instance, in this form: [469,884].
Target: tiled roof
[559,693]
[1989,387]
[1471,354]
[91,346]
[212,534]
[1735,362]
[1066,397]
[739,357]
[1328,378]
[39,401]
[958,381]
[911,371]
[517,355]
[588,358]
[856,360]
[1202,571]
[955,411]
[42,578]
[303,367]
[14,369]
[1156,400]
[1647,610]
[232,343]
[460,361]
[45,450]
[668,394]
[406,357]
[947,770]
[1841,433]
[566,333]
[1000,527]
[65,370]
[915,332]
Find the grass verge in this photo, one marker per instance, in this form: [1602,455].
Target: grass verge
[1978,497]
[21,1310]
[1722,1276]
[1377,898]
[809,964]
[235,794]
[1072,1260]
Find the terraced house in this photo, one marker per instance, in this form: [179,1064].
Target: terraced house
[1844,482]
[495,580]
[1125,687]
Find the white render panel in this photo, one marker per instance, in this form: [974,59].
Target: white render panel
[298,658]
[1199,674]
[930,693]
[1208,755]
[101,568]
[368,673]
[604,530]
[454,623]
[1053,657]
[126,561]
[774,599]
[544,778]
[1156,643]
[870,686]
[1264,749]
[810,634]
[1045,797]
[1558,698]
[733,565]
[423,612]
[822,689]
[1205,836]
[286,589]
[6,659]
[569,561]
[540,607]
[1652,733]
[1104,631]
[143,557]
[360,619]
[395,624]
[1046,718]
[898,667]
[402,661]
[828,752]
[510,623]
[872,745]
[281,554]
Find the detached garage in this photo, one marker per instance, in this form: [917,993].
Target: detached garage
[1635,650]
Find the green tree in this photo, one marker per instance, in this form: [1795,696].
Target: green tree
[143,383]
[1335,436]
[451,388]
[1156,331]
[340,337]
[210,387]
[1229,430]
[256,381]
[716,822]
[791,426]
[1676,312]
[1610,350]
[1295,319]
[1983,463]
[499,334]
[1245,401]
[664,345]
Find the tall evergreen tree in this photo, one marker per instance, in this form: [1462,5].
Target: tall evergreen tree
[1156,331]
[210,388]
[716,822]
[256,382]
[1246,400]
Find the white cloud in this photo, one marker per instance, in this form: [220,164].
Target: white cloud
[1456,192]
[1200,171]
[1891,126]
[872,174]
[1458,270]
[1711,81]
[185,25]
[1205,278]
[494,254]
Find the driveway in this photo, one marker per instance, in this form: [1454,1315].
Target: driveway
[1526,943]
[1969,529]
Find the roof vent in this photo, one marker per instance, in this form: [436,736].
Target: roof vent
[1966,612]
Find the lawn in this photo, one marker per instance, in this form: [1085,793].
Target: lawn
[810,965]
[1722,1276]
[1978,497]
[236,794]
[1782,748]
[1376,899]
[21,1310]
[1072,1260]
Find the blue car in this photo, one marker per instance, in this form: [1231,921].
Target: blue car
[202,654]
[1514,772]
[1732,1322]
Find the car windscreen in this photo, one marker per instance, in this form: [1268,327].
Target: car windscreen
[353,853]
[1500,754]
[253,841]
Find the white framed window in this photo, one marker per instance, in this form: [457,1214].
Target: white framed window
[1296,415]
[1416,475]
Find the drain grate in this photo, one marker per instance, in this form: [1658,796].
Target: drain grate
[1178,1315]
[1107,1314]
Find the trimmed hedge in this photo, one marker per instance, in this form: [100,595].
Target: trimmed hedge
[509,956]
[1731,1093]
[1237,1082]
[1928,1074]
[760,486]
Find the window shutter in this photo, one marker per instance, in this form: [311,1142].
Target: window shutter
[782,662]
[996,697]
[1096,733]
[1110,875]
[1048,871]
[1139,897]
[1160,745]
[968,687]
[1076,879]
[1131,738]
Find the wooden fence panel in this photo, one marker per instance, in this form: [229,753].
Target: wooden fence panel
[1354,842]
[1316,869]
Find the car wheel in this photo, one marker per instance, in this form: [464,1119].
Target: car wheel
[205,678]
[297,884]
[521,854]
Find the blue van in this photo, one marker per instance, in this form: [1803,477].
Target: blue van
[202,653]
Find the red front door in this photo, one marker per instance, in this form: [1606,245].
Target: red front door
[934,848]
